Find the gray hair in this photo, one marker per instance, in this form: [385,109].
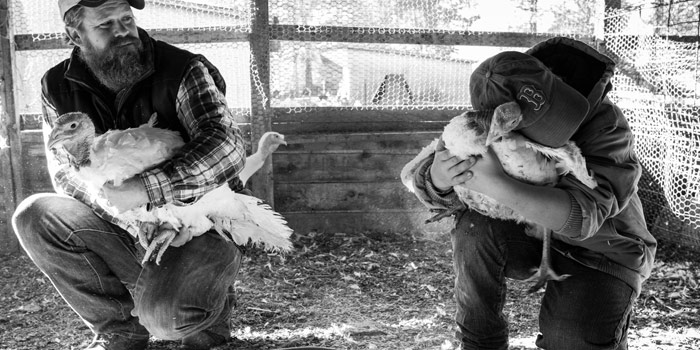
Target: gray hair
[73,18]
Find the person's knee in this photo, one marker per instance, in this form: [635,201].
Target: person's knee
[172,319]
[33,216]
[29,212]
[475,233]
[575,336]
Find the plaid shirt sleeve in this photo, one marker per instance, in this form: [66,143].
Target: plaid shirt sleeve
[215,153]
[64,180]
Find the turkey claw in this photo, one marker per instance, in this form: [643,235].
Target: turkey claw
[542,275]
[441,214]
[159,243]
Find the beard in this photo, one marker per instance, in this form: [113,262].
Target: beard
[117,66]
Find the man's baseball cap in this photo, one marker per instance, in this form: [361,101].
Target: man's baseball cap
[65,5]
[552,110]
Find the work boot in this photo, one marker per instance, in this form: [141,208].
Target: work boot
[115,342]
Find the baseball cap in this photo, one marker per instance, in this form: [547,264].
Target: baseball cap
[552,110]
[65,5]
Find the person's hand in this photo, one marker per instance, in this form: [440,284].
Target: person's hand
[448,170]
[131,194]
[485,173]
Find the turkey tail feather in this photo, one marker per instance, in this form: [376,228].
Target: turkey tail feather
[260,226]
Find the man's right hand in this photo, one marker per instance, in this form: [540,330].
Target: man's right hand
[448,170]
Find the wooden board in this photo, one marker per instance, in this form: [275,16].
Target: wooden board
[350,182]
[345,196]
[408,222]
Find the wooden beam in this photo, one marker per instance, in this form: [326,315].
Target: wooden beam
[261,112]
[405,36]
[26,42]
[324,34]
[10,165]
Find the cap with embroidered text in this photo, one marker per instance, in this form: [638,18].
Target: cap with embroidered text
[65,5]
[552,110]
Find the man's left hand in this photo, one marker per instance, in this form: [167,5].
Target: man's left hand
[131,194]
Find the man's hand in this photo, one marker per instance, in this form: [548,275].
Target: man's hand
[131,194]
[448,170]
[486,173]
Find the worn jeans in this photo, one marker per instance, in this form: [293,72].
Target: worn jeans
[589,310]
[96,268]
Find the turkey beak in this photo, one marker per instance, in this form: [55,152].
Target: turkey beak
[490,138]
[283,141]
[55,137]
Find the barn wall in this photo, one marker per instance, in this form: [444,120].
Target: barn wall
[340,171]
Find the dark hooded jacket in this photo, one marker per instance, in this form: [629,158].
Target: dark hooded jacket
[613,237]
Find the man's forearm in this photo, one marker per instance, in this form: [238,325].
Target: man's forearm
[547,206]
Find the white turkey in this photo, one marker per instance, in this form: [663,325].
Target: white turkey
[470,134]
[268,143]
[118,155]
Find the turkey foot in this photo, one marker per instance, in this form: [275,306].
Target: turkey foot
[159,244]
[544,273]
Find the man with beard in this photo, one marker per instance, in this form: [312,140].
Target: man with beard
[120,77]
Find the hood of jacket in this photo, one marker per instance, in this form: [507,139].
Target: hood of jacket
[579,65]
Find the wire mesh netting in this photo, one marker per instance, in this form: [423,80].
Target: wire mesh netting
[657,87]
[359,75]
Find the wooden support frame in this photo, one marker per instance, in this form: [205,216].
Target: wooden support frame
[10,145]
[261,113]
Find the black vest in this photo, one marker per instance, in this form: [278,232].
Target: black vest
[70,87]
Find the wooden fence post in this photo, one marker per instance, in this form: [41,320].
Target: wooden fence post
[10,150]
[261,113]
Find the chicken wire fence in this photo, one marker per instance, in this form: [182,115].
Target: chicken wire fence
[657,87]
[309,71]
[345,54]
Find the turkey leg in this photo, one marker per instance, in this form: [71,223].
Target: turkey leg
[545,273]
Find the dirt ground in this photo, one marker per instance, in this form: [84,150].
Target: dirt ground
[355,291]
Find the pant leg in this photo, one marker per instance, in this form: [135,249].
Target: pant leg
[588,311]
[189,291]
[485,252]
[88,260]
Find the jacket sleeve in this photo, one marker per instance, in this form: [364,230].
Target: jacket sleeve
[607,143]
[426,192]
[215,153]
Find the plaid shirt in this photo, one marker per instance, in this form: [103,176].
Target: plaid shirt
[214,155]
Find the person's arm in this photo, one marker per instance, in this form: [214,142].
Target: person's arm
[435,177]
[215,153]
[547,206]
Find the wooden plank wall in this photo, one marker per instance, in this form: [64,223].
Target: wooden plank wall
[340,171]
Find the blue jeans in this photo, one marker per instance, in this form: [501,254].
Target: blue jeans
[95,266]
[589,310]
